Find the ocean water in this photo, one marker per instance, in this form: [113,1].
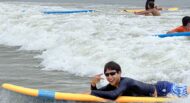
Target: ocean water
[62,52]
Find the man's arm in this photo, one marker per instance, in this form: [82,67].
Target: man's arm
[111,94]
[158,8]
[143,12]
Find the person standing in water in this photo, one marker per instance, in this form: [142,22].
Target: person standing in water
[151,11]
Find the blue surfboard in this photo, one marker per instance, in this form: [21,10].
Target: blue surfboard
[68,12]
[174,34]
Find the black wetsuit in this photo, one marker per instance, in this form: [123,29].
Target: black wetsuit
[147,2]
[127,87]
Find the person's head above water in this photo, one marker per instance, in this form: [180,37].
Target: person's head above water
[151,5]
[147,4]
[112,71]
[186,20]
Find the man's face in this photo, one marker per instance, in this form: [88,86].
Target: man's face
[112,77]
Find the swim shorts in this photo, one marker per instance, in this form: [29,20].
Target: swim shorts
[179,90]
[165,88]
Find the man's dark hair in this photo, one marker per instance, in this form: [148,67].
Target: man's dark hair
[112,66]
[185,20]
[147,3]
[151,5]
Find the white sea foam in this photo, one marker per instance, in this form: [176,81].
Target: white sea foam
[82,43]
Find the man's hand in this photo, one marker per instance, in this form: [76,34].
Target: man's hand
[96,79]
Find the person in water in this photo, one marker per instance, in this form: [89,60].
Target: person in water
[151,11]
[185,27]
[124,86]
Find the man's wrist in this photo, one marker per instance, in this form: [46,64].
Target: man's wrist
[155,93]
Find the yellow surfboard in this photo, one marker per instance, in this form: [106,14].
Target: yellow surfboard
[138,10]
[172,9]
[77,97]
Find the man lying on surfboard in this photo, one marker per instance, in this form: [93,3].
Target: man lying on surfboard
[152,11]
[185,27]
[124,86]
